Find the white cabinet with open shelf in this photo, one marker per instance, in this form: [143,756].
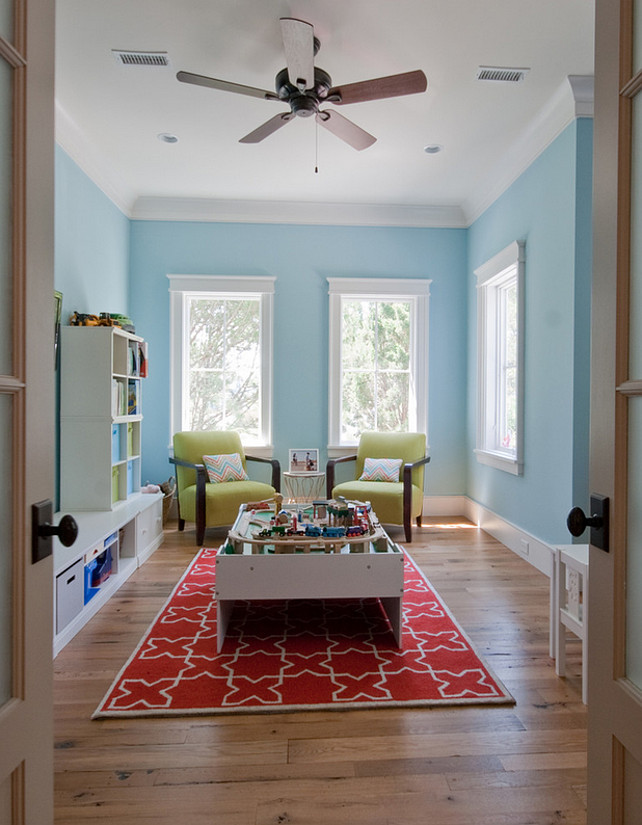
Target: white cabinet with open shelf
[119,527]
[111,544]
[102,369]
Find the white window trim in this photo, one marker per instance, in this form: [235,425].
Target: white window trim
[182,286]
[418,291]
[513,256]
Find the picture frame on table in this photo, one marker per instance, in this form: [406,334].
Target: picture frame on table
[304,460]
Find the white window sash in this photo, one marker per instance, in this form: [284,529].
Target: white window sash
[219,286]
[415,291]
[493,279]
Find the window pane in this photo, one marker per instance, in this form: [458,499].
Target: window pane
[205,401]
[243,326]
[393,401]
[510,323]
[6,20]
[635,297]
[6,223]
[207,333]
[225,365]
[358,334]
[358,405]
[634,545]
[6,554]
[242,403]
[393,335]
[508,429]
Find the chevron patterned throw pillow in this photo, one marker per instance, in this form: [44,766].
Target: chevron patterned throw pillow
[224,468]
[381,469]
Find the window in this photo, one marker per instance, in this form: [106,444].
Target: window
[500,360]
[221,355]
[378,357]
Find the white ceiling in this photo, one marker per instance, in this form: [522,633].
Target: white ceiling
[109,116]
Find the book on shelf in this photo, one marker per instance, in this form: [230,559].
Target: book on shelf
[132,398]
[142,359]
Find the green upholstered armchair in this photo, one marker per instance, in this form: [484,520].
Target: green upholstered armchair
[214,505]
[394,502]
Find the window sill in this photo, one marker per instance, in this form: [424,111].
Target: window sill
[500,462]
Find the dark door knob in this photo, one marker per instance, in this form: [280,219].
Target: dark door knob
[577,522]
[598,521]
[42,530]
[66,530]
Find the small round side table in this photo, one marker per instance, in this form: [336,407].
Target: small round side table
[304,487]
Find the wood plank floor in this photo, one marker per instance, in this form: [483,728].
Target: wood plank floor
[488,766]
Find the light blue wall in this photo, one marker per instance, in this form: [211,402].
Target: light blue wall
[104,262]
[549,208]
[91,252]
[302,258]
[91,244]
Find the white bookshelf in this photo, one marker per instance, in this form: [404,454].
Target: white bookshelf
[119,527]
[102,371]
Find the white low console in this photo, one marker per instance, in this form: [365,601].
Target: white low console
[111,545]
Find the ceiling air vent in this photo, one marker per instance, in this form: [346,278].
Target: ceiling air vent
[501,74]
[129,58]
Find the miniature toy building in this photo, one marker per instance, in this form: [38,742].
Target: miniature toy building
[325,526]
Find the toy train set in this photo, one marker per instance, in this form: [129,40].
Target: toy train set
[323,526]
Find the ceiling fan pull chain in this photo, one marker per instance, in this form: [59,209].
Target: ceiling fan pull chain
[316,147]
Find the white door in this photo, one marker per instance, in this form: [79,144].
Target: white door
[26,407]
[615,629]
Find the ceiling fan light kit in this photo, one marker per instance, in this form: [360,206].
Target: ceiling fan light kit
[305,87]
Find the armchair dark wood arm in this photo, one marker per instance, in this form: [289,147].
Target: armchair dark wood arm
[276,469]
[329,472]
[407,495]
[201,481]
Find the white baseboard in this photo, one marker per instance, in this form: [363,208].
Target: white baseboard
[526,546]
[445,505]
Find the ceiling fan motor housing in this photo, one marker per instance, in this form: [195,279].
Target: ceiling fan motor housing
[306,103]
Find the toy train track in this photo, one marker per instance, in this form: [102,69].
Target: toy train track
[325,526]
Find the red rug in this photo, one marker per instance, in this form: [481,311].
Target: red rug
[298,655]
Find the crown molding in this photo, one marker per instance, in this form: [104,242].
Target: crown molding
[573,99]
[71,138]
[291,212]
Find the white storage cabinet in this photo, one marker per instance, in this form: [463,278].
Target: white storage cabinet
[130,533]
[102,370]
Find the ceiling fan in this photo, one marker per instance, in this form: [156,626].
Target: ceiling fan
[305,87]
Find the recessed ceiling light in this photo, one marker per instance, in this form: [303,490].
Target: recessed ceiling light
[167,137]
[432,148]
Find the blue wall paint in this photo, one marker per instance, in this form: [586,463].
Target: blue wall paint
[302,258]
[543,208]
[91,244]
[91,252]
[104,262]
[582,319]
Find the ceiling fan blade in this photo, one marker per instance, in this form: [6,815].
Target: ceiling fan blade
[345,129]
[268,128]
[225,85]
[408,83]
[298,43]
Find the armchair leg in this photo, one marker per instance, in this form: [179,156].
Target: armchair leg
[200,534]
[408,529]
[419,521]
[181,524]
[200,505]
